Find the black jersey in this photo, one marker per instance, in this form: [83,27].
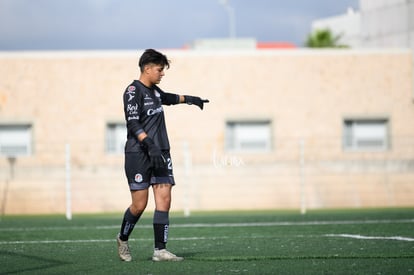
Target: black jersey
[144,113]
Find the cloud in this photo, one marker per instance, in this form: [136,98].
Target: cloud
[127,24]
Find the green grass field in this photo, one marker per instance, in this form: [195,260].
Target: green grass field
[363,241]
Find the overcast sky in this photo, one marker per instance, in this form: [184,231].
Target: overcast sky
[161,24]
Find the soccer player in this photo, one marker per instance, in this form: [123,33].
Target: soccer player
[147,152]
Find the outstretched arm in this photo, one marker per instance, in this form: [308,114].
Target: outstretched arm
[172,99]
[193,100]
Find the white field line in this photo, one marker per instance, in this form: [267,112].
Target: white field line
[394,238]
[212,225]
[105,240]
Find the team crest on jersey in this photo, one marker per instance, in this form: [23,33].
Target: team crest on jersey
[138,178]
[157,94]
[131,93]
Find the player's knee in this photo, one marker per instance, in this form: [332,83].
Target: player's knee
[137,208]
[164,201]
[163,205]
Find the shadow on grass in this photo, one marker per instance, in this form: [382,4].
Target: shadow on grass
[14,263]
[265,258]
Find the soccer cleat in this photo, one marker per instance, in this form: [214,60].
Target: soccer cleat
[164,255]
[123,250]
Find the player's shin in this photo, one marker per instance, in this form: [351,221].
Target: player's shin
[128,224]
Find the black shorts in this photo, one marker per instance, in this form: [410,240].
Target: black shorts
[141,174]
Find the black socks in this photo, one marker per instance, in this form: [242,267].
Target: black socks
[160,225]
[128,224]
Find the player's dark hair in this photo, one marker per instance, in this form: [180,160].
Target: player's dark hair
[152,56]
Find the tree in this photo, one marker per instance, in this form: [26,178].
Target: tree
[324,38]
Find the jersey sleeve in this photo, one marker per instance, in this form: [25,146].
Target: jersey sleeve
[132,110]
[168,98]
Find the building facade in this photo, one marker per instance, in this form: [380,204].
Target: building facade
[377,24]
[292,129]
[387,23]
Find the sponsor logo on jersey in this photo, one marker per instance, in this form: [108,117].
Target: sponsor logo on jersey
[131,95]
[152,112]
[132,109]
[148,100]
[133,118]
[131,92]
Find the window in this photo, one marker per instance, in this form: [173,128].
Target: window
[115,138]
[365,134]
[15,140]
[248,135]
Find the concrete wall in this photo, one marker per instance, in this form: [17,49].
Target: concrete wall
[69,97]
[387,23]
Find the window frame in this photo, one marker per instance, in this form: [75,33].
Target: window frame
[25,141]
[233,143]
[113,145]
[351,143]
